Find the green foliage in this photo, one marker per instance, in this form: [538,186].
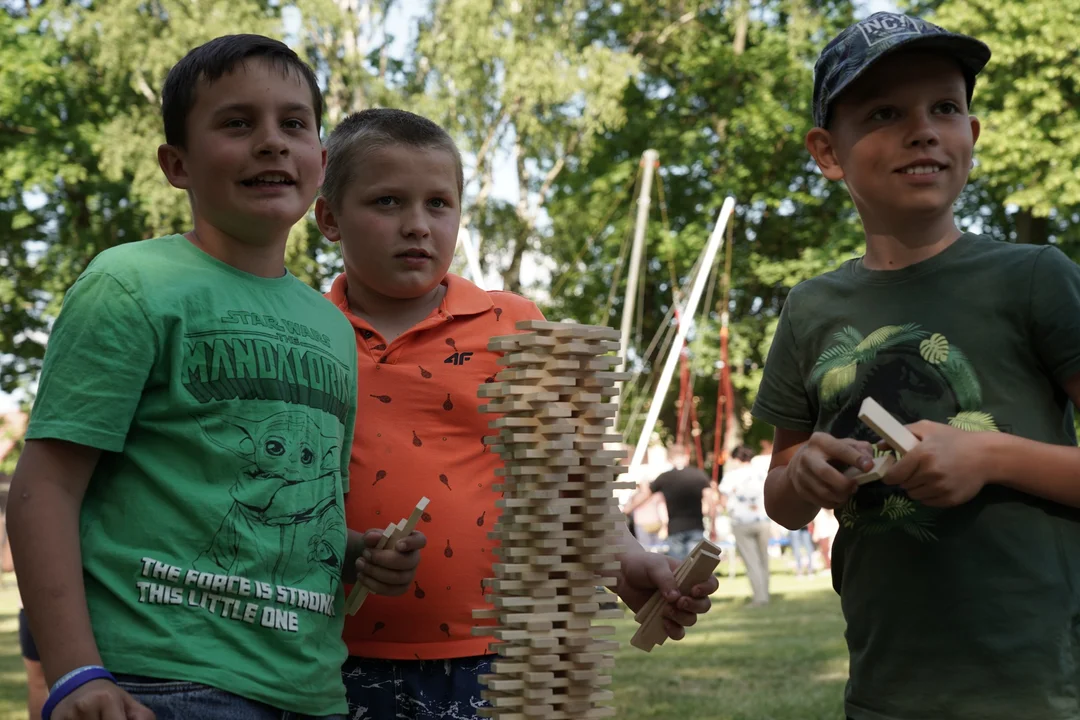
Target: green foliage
[553,103]
[520,81]
[1028,98]
[723,95]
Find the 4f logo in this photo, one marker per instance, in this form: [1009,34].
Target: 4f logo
[458,358]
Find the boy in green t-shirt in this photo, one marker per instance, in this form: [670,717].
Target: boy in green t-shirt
[177,514]
[959,572]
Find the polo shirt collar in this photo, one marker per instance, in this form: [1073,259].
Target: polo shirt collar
[462,297]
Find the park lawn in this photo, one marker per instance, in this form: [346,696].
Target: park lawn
[786,661]
[12,674]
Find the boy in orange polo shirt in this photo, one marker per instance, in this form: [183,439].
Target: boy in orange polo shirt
[392,198]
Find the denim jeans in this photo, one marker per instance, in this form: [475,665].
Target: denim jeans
[681,543]
[802,548]
[415,689]
[181,700]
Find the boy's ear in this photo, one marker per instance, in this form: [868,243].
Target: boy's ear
[171,160]
[820,144]
[328,224]
[976,128]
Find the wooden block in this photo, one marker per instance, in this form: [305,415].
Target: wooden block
[699,566]
[359,591]
[540,325]
[657,599]
[882,463]
[889,428]
[392,533]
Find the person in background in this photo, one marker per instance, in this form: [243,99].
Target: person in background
[802,549]
[743,490]
[825,527]
[683,488]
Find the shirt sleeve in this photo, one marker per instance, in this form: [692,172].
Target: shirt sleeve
[782,399]
[1055,312]
[97,361]
[658,484]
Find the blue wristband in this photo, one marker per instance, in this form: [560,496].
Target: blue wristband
[71,682]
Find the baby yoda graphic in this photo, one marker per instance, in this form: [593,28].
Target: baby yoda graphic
[285,524]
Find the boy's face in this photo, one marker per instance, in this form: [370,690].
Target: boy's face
[901,139]
[253,161]
[398,221]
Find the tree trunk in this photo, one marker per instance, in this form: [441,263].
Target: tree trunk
[742,26]
[512,274]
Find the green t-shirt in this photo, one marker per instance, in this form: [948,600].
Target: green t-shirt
[970,612]
[213,528]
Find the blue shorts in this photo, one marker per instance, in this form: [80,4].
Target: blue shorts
[26,640]
[181,700]
[415,689]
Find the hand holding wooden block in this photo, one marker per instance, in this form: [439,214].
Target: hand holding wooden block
[393,532]
[892,431]
[882,463]
[889,428]
[695,569]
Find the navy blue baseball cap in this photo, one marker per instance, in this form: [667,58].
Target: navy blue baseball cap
[853,51]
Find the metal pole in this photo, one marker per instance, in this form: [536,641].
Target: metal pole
[649,159]
[471,256]
[705,269]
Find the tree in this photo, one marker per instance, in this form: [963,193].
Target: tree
[79,129]
[723,94]
[1028,98]
[518,82]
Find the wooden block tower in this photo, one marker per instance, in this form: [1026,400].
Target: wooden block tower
[559,528]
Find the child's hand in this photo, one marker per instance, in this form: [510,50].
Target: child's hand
[389,571]
[945,469]
[643,573]
[813,474]
[100,700]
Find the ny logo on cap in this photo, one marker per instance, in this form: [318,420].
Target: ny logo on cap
[886,26]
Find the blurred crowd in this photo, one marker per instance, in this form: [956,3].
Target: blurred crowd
[675,504]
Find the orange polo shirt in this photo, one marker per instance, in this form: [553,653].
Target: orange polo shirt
[419,434]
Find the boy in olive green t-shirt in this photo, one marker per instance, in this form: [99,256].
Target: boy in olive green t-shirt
[958,573]
[177,515]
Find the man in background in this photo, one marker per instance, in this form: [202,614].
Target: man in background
[683,488]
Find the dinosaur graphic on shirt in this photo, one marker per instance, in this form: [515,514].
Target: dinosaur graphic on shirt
[916,374]
[285,523]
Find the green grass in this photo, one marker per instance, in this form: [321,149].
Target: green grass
[786,661]
[12,673]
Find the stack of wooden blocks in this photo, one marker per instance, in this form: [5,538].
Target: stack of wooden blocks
[559,528]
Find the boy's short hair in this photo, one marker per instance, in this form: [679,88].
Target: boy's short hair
[858,47]
[210,61]
[368,130]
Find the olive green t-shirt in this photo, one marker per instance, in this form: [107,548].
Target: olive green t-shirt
[970,612]
[212,529]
